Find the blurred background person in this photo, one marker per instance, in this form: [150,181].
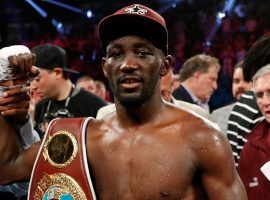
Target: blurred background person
[245,115]
[239,87]
[60,97]
[254,162]
[34,99]
[198,77]
[101,90]
[94,86]
[166,90]
[87,83]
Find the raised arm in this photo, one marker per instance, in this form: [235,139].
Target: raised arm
[15,165]
[219,176]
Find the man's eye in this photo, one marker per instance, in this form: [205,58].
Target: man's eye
[143,53]
[236,81]
[259,95]
[115,55]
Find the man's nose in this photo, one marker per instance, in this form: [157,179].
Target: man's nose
[215,85]
[129,64]
[241,84]
[266,99]
[241,89]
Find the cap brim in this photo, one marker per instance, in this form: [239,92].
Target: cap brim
[70,71]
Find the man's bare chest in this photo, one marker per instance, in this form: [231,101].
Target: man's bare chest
[142,167]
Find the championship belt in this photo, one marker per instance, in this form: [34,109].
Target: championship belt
[61,168]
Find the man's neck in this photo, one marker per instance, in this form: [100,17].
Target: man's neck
[148,111]
[188,85]
[191,89]
[64,89]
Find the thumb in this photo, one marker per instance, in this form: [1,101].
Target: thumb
[34,71]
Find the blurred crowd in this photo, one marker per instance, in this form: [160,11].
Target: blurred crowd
[227,38]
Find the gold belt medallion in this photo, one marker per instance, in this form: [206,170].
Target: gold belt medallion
[58,186]
[60,149]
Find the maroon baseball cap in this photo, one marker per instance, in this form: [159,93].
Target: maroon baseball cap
[136,20]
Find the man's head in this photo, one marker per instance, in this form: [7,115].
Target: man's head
[136,20]
[239,85]
[100,89]
[201,73]
[34,96]
[135,40]
[87,83]
[49,57]
[257,57]
[52,61]
[261,87]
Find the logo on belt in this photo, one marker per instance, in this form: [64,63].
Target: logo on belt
[58,186]
[60,149]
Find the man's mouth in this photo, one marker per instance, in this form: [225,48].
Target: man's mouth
[240,92]
[130,82]
[267,113]
[40,94]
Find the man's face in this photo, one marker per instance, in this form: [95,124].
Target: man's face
[262,93]
[207,83]
[88,85]
[239,86]
[34,97]
[133,65]
[46,84]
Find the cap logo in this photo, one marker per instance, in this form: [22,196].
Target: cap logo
[136,10]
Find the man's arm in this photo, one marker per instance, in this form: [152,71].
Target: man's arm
[15,165]
[14,103]
[219,175]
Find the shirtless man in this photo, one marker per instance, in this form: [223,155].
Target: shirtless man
[147,149]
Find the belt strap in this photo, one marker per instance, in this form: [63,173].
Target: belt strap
[61,168]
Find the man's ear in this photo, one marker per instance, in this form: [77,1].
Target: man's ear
[167,65]
[104,67]
[197,74]
[58,72]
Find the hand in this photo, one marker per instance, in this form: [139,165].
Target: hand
[14,105]
[24,63]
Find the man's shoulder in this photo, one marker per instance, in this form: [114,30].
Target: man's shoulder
[41,103]
[84,93]
[223,110]
[205,138]
[192,108]
[248,99]
[202,137]
[105,110]
[193,119]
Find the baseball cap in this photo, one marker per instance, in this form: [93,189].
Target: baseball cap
[136,20]
[50,56]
